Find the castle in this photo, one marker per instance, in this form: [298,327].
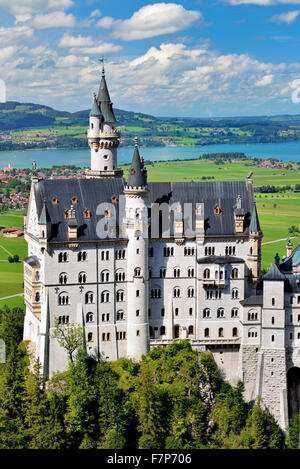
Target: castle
[140,265]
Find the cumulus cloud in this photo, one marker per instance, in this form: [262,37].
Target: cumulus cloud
[21,7]
[87,45]
[150,21]
[288,17]
[56,19]
[265,81]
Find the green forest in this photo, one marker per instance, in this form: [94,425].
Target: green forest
[173,398]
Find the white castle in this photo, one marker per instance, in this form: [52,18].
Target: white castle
[140,265]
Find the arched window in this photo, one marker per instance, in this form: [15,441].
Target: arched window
[234,313]
[176,272]
[191,292]
[162,330]
[234,294]
[156,293]
[234,332]
[105,297]
[221,332]
[176,332]
[120,295]
[137,272]
[89,317]
[62,257]
[206,332]
[82,256]
[63,278]
[89,297]
[82,277]
[221,313]
[191,330]
[206,273]
[63,299]
[90,337]
[120,315]
[221,274]
[235,273]
[104,277]
[120,275]
[176,292]
[252,333]
[191,272]
[206,313]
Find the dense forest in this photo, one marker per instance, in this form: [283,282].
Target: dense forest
[173,398]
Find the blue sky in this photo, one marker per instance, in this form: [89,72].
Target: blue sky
[179,58]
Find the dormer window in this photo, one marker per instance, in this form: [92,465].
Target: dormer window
[107,213]
[217,210]
[87,213]
[132,171]
[74,200]
[54,201]
[114,199]
[67,214]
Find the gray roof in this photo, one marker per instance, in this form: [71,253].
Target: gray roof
[254,225]
[292,261]
[32,260]
[273,274]
[137,173]
[104,102]
[95,111]
[44,217]
[255,300]
[92,192]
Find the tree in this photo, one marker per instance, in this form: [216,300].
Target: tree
[69,336]
[293,229]
[293,438]
[16,258]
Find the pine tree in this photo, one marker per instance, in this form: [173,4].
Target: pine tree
[293,438]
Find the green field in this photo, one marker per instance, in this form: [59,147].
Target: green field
[277,212]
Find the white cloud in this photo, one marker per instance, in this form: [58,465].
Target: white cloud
[265,81]
[21,7]
[288,17]
[151,20]
[87,45]
[56,19]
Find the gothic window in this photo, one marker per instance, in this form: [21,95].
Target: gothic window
[176,292]
[206,332]
[206,273]
[89,317]
[63,299]
[221,332]
[63,278]
[234,313]
[191,292]
[206,313]
[234,294]
[105,297]
[104,276]
[89,297]
[82,277]
[220,313]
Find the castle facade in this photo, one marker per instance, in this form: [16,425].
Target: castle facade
[140,265]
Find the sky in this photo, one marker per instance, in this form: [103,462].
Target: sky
[188,58]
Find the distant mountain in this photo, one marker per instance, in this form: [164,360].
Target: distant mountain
[15,115]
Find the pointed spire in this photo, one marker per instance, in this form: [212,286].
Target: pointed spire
[44,218]
[137,173]
[103,99]
[95,111]
[254,224]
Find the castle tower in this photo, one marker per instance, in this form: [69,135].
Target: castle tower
[136,228]
[289,248]
[254,247]
[103,138]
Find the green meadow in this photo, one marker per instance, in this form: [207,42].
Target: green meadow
[277,212]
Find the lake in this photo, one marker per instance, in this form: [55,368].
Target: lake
[47,158]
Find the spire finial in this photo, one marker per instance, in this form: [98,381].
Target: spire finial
[136,139]
[94,97]
[103,69]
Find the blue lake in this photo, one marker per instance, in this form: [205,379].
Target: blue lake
[47,158]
